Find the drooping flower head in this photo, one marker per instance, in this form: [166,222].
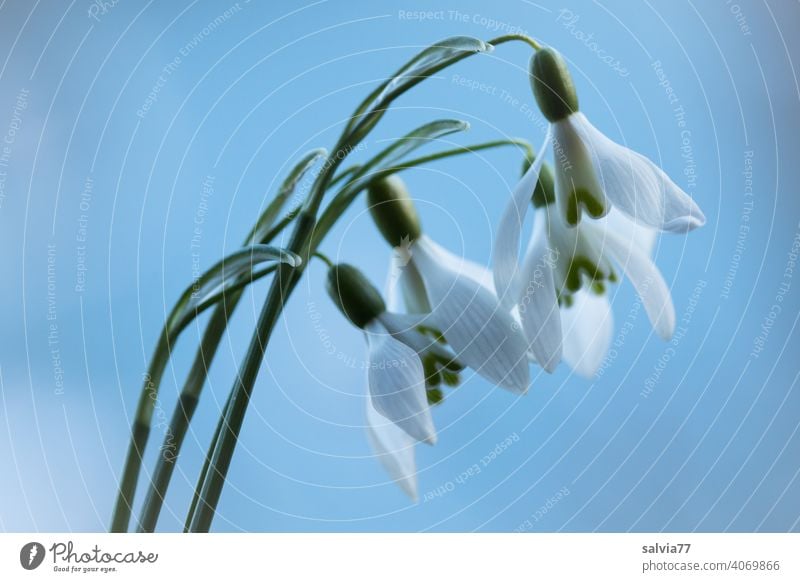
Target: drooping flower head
[456,294]
[404,370]
[599,214]
[593,173]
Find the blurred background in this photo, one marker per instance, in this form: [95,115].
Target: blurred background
[142,139]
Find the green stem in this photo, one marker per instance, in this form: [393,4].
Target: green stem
[148,397]
[130,475]
[324,258]
[282,285]
[521,37]
[140,432]
[184,411]
[190,394]
[206,463]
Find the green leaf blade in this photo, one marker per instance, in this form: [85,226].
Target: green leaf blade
[270,214]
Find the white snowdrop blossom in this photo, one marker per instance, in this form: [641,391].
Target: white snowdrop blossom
[604,179]
[481,331]
[593,173]
[398,354]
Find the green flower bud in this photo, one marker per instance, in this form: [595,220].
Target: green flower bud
[552,85]
[393,211]
[354,295]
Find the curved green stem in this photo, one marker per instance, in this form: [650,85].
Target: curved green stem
[282,285]
[185,408]
[284,281]
[206,463]
[324,258]
[140,432]
[521,37]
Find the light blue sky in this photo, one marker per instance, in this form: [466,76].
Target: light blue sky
[713,447]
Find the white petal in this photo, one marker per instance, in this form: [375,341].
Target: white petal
[577,185]
[538,303]
[637,186]
[394,449]
[588,326]
[641,237]
[647,280]
[476,272]
[397,383]
[505,255]
[482,333]
[403,327]
[413,289]
[403,280]
[397,323]
[391,291]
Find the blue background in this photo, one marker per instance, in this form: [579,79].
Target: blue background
[714,446]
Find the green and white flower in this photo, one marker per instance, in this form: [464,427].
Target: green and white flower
[481,331]
[402,364]
[602,178]
[593,173]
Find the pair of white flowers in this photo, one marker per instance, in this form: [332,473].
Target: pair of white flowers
[606,207]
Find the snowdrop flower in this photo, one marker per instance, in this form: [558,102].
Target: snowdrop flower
[585,260]
[403,365]
[593,174]
[481,331]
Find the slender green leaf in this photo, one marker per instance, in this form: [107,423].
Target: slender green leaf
[432,57]
[424,64]
[224,275]
[267,218]
[407,144]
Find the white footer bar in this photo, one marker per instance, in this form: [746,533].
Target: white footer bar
[406,557]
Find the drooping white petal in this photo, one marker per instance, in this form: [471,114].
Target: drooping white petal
[397,383]
[413,290]
[403,326]
[637,186]
[391,289]
[482,333]
[537,300]
[403,280]
[397,323]
[477,273]
[647,281]
[578,188]
[394,449]
[588,326]
[640,237]
[505,255]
